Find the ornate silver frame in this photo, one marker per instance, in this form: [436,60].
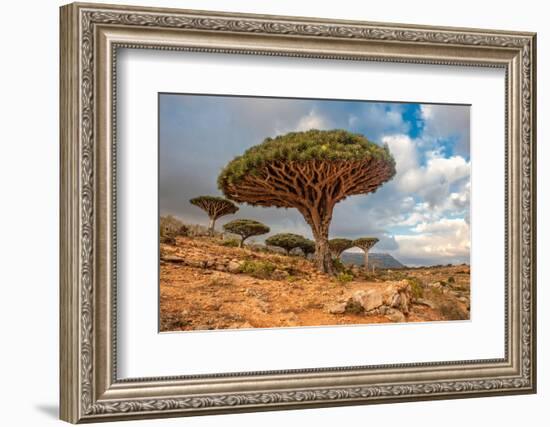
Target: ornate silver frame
[90,36]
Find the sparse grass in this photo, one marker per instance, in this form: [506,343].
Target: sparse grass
[344,277]
[292,279]
[369,277]
[221,281]
[231,243]
[391,275]
[450,311]
[436,292]
[258,269]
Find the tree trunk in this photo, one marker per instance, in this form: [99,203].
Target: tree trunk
[241,243]
[211,226]
[318,218]
[323,259]
[367,260]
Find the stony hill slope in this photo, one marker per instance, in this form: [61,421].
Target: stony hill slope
[205,285]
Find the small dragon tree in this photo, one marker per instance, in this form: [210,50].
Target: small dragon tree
[307,246]
[365,243]
[337,246]
[246,228]
[310,171]
[215,207]
[286,241]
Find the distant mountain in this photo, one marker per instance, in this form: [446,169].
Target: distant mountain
[378,260]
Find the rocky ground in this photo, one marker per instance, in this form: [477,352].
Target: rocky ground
[206,285]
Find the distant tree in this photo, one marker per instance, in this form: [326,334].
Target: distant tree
[215,207]
[246,228]
[286,241]
[169,228]
[365,243]
[183,230]
[310,171]
[307,246]
[337,246]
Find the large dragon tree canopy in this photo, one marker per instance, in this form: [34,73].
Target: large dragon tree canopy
[310,171]
[292,169]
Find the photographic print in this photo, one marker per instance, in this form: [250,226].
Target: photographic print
[286,212]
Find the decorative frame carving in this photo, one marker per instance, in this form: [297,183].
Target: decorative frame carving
[90,36]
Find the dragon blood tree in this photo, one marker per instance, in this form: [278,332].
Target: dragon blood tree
[307,246]
[215,207]
[246,228]
[337,246]
[311,172]
[286,241]
[365,243]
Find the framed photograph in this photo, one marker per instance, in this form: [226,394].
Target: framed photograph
[266,213]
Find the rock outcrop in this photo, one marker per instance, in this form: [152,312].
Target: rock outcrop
[392,299]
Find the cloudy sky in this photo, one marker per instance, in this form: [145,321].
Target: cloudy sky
[421,217]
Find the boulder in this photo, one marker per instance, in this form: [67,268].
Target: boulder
[369,300]
[395,316]
[396,295]
[173,258]
[220,267]
[426,302]
[234,266]
[385,298]
[195,263]
[339,308]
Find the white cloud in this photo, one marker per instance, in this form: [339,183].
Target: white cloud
[403,150]
[437,217]
[312,121]
[444,239]
[434,180]
[447,121]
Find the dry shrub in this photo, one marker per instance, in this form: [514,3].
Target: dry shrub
[451,311]
[344,277]
[416,287]
[258,269]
